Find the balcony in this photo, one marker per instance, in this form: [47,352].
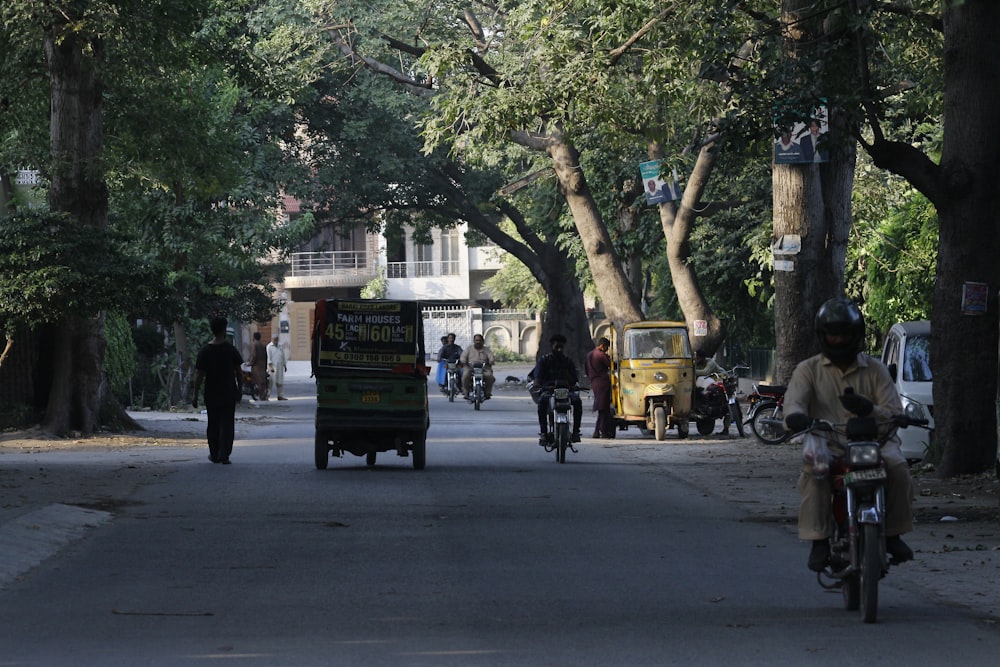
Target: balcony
[331,268]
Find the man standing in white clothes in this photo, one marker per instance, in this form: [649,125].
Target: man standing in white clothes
[276,366]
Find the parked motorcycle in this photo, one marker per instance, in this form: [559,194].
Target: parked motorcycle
[858,557]
[250,387]
[766,414]
[452,383]
[715,398]
[478,393]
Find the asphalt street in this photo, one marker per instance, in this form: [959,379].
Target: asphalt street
[140,551]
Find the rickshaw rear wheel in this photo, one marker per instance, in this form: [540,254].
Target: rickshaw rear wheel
[370,458]
[322,451]
[683,428]
[420,451]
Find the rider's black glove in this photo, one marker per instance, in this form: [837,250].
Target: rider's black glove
[856,403]
[797,421]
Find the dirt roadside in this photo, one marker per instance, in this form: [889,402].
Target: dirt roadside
[956,537]
[956,540]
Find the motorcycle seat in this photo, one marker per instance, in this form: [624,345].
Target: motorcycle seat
[775,389]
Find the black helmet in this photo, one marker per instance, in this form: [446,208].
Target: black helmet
[840,316]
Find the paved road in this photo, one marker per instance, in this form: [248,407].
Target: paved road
[493,555]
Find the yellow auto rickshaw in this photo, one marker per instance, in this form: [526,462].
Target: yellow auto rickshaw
[652,377]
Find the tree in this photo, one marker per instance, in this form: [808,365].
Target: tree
[205,222]
[545,80]
[962,186]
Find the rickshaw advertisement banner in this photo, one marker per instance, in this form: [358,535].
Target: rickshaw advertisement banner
[378,335]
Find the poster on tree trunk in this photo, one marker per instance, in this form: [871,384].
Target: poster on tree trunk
[658,190]
[801,137]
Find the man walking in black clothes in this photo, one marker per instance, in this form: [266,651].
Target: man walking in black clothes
[218,366]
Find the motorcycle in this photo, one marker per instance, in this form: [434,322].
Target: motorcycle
[716,399]
[452,385]
[478,393]
[766,414]
[858,557]
[249,387]
[560,414]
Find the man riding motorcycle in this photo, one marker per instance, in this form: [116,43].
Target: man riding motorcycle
[449,351]
[477,354]
[818,390]
[550,369]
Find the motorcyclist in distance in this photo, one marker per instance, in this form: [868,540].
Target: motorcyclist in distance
[550,369]
[478,353]
[818,390]
[449,352]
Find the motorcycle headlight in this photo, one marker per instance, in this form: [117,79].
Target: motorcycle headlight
[659,377]
[864,455]
[914,410]
[562,393]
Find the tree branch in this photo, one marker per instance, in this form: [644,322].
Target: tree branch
[617,53]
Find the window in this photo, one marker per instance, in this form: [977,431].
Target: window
[450,249]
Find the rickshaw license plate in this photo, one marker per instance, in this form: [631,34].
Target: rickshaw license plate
[370,397]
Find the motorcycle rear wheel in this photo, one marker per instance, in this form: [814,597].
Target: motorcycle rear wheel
[769,434]
[871,572]
[705,426]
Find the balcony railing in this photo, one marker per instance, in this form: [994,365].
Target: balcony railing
[328,261]
[420,269]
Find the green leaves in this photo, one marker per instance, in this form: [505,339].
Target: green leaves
[51,266]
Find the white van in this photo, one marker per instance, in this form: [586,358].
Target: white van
[907,354]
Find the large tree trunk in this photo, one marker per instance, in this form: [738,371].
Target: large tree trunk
[77,189]
[963,188]
[677,226]
[549,264]
[811,202]
[964,346]
[621,304]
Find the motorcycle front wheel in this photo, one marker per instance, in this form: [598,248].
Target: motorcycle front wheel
[871,572]
[737,414]
[451,392]
[562,442]
[765,424]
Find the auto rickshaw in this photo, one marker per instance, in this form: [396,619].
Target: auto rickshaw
[371,379]
[652,377]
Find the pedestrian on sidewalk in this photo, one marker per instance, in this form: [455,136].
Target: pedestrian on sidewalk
[258,366]
[218,367]
[597,367]
[276,366]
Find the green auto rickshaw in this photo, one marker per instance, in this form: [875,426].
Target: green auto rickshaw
[371,379]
